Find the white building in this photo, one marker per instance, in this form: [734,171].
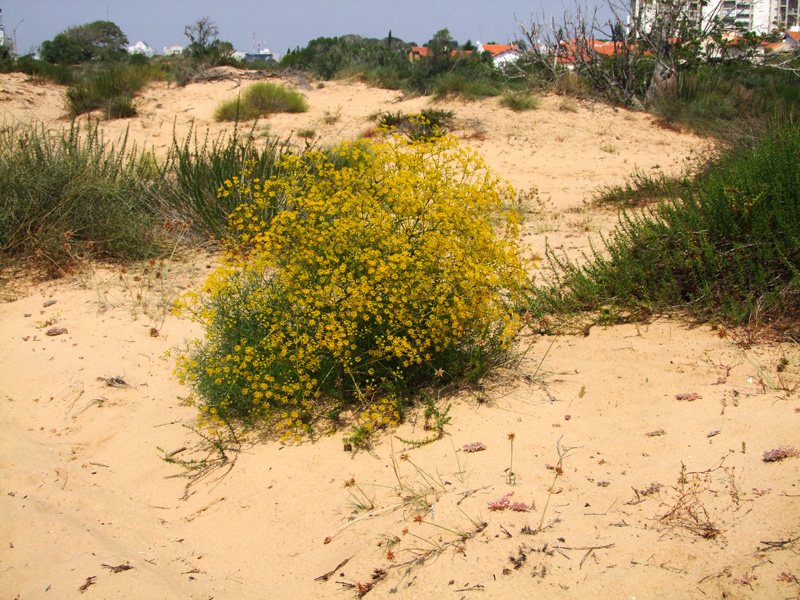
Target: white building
[759,16]
[502,54]
[262,55]
[141,47]
[172,50]
[2,29]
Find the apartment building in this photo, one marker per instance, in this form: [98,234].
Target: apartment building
[759,16]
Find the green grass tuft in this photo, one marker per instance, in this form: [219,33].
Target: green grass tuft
[112,90]
[456,85]
[70,194]
[642,189]
[259,100]
[519,100]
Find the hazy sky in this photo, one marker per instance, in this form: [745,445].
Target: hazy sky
[278,25]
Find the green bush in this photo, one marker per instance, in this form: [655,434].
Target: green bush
[454,84]
[642,189]
[111,89]
[722,99]
[195,170]
[519,100]
[71,195]
[386,274]
[259,100]
[68,195]
[728,249]
[41,70]
[428,123]
[699,101]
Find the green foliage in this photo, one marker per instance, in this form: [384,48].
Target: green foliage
[111,89]
[196,170]
[63,50]
[429,123]
[519,100]
[442,44]
[382,276]
[259,100]
[643,189]
[41,70]
[99,40]
[382,61]
[68,195]
[699,101]
[71,196]
[454,84]
[728,249]
[710,99]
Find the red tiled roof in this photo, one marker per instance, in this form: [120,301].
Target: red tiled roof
[496,49]
[425,51]
[569,51]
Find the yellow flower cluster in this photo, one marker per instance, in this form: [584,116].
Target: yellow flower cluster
[387,267]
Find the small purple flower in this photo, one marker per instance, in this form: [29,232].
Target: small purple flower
[474,447]
[501,503]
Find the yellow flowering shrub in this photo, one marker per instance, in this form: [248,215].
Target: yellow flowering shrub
[394,266]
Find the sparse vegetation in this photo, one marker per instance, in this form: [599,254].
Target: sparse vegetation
[519,100]
[727,249]
[71,194]
[642,189]
[260,100]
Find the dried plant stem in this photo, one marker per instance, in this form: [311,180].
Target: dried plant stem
[374,513]
[558,470]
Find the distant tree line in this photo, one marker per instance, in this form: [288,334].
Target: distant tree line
[99,40]
[662,62]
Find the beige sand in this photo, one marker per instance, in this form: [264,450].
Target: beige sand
[84,488]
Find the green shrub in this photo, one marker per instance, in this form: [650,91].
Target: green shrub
[41,70]
[699,101]
[387,78]
[429,123]
[111,89]
[68,195]
[519,100]
[642,189]
[259,100]
[728,249]
[454,84]
[195,170]
[384,275]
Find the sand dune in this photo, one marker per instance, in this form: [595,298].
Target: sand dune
[638,448]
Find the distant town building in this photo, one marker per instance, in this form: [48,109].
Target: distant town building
[501,53]
[172,50]
[758,16]
[141,47]
[262,55]
[2,29]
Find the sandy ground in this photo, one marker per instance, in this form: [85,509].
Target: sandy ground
[638,449]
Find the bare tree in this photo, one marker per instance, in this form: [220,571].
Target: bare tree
[202,32]
[573,42]
[650,40]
